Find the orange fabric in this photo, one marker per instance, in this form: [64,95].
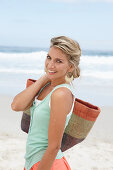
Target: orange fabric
[61,164]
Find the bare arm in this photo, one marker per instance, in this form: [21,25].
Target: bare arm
[24,99]
[61,103]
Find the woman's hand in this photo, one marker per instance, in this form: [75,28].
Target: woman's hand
[25,98]
[44,79]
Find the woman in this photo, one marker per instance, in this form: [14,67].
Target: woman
[51,109]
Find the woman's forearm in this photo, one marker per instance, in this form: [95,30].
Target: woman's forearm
[24,98]
[48,159]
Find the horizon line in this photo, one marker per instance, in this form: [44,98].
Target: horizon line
[85,49]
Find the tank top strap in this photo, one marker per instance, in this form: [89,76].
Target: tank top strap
[42,89]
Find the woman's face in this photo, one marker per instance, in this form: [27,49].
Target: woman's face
[56,64]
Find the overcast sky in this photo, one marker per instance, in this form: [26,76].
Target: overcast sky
[34,23]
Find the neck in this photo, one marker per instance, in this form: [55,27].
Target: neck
[55,83]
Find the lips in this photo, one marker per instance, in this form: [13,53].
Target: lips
[51,72]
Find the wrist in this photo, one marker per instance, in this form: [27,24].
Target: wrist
[44,79]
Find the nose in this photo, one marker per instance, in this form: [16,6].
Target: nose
[51,64]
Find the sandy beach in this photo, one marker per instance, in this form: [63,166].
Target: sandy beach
[94,153]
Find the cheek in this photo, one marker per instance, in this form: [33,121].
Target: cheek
[46,63]
[62,70]
[63,67]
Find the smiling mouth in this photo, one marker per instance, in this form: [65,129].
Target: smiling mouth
[50,71]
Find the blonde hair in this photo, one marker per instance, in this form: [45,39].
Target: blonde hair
[72,50]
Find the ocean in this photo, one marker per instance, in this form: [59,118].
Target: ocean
[95,84]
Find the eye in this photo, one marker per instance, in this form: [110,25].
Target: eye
[59,61]
[48,57]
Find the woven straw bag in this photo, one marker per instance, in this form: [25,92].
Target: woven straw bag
[82,120]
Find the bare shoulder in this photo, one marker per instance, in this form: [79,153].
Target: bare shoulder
[62,92]
[62,95]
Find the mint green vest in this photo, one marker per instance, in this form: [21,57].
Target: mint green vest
[37,140]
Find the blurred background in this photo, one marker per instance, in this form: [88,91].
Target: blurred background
[26,28]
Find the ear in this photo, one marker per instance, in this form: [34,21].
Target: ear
[71,68]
